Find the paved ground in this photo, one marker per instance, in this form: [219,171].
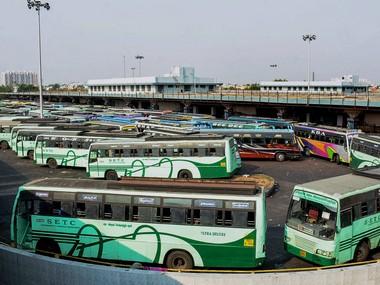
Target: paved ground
[16,171]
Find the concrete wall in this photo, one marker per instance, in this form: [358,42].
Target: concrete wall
[19,267]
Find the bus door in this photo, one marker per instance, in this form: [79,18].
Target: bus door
[93,165]
[39,150]
[344,237]
[22,222]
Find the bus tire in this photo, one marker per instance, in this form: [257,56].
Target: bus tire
[52,163]
[361,252]
[184,174]
[48,247]
[307,152]
[31,154]
[111,175]
[336,158]
[280,156]
[4,145]
[179,259]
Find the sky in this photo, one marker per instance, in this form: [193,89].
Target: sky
[234,41]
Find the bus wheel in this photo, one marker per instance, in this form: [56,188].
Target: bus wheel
[31,154]
[48,247]
[361,252]
[306,151]
[52,163]
[185,174]
[111,175]
[4,145]
[336,158]
[179,259]
[280,156]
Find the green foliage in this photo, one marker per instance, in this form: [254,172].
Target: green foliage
[6,88]
[27,88]
[254,86]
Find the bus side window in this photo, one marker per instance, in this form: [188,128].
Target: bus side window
[93,156]
[195,152]
[115,212]
[80,209]
[378,204]
[174,215]
[92,210]
[155,152]
[186,152]
[345,218]
[207,217]
[202,152]
[162,152]
[146,214]
[251,221]
[42,207]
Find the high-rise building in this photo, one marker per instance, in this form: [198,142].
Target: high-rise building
[13,78]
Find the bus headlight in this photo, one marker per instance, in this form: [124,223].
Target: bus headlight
[324,252]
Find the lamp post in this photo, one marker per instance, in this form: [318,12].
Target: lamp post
[309,38]
[37,5]
[139,58]
[274,66]
[133,71]
[124,72]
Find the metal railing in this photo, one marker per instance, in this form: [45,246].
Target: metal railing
[236,96]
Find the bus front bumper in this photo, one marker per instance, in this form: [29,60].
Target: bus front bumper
[314,258]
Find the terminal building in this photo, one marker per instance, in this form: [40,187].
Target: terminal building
[179,80]
[345,84]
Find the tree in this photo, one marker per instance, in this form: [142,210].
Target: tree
[27,88]
[6,88]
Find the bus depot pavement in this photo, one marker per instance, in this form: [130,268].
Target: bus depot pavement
[16,171]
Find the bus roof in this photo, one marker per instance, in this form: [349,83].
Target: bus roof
[369,137]
[326,128]
[221,186]
[340,186]
[266,132]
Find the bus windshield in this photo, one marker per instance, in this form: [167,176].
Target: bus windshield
[312,218]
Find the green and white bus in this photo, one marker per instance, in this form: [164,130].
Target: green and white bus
[72,151]
[180,224]
[16,129]
[170,157]
[365,151]
[5,136]
[334,220]
[26,140]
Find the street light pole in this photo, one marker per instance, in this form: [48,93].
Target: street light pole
[133,71]
[37,5]
[309,38]
[139,58]
[125,75]
[274,66]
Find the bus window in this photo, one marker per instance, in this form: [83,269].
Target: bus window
[195,152]
[116,212]
[174,215]
[186,152]
[42,207]
[146,214]
[163,152]
[345,218]
[92,211]
[80,209]
[148,152]
[63,208]
[207,217]
[94,156]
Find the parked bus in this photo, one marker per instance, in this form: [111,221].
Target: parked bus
[165,157]
[274,122]
[26,140]
[5,136]
[178,224]
[62,150]
[278,144]
[334,220]
[323,141]
[16,129]
[365,151]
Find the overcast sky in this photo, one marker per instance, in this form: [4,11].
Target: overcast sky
[234,41]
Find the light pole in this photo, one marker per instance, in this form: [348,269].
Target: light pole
[133,71]
[309,38]
[274,66]
[37,5]
[124,73]
[139,58]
